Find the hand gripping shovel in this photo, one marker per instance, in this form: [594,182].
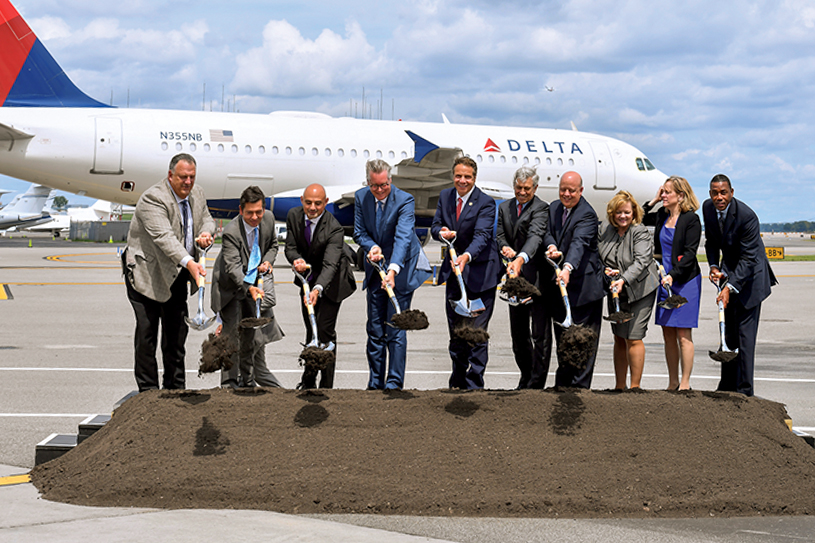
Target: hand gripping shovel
[567,322]
[312,319]
[257,322]
[200,321]
[464,307]
[618,317]
[724,354]
[412,319]
[672,301]
[515,290]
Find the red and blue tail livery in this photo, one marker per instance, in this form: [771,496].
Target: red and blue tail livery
[29,75]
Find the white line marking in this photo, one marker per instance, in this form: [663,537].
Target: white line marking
[35,415]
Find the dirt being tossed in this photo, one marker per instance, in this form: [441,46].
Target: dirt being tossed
[216,353]
[576,344]
[470,334]
[520,288]
[254,322]
[528,453]
[412,319]
[316,358]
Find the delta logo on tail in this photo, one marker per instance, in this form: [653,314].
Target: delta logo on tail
[491,147]
[25,64]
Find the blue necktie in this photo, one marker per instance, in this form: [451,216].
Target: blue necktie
[380,212]
[254,260]
[185,207]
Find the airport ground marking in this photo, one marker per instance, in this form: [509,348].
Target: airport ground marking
[5,292]
[15,480]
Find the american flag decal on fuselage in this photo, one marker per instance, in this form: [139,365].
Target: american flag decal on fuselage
[220,135]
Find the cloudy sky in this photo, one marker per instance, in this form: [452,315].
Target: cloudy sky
[700,87]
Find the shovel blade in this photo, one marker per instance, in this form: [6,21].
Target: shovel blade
[476,307]
[723,356]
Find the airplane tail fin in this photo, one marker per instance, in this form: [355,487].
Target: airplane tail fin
[32,202]
[29,75]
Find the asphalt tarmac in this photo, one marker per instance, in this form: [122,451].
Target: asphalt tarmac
[66,352]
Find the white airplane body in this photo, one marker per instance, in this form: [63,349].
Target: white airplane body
[61,222]
[116,154]
[27,209]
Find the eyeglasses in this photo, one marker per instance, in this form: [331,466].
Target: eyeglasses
[380,186]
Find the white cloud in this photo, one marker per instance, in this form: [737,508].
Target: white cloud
[50,28]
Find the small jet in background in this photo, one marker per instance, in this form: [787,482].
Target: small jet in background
[101,210]
[28,209]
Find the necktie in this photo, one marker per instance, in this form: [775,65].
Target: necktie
[185,210]
[254,259]
[565,217]
[721,221]
[380,212]
[308,232]
[458,207]
[520,208]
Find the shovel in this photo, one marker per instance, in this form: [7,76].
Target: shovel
[257,322]
[618,317]
[464,307]
[502,289]
[411,319]
[312,319]
[200,321]
[671,302]
[567,322]
[724,354]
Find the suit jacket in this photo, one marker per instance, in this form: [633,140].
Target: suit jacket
[327,254]
[155,241]
[396,237]
[633,255]
[739,251]
[523,234]
[474,230]
[687,236]
[230,269]
[577,240]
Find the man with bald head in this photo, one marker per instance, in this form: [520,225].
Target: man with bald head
[314,237]
[573,233]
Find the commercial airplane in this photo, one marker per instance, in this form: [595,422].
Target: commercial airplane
[54,134]
[27,209]
[61,223]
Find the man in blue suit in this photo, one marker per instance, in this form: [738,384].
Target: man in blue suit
[384,228]
[468,215]
[573,233]
[736,253]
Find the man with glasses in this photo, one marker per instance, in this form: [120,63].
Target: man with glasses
[384,228]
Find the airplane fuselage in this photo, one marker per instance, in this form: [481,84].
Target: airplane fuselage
[116,154]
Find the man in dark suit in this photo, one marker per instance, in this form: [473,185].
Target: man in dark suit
[736,254]
[466,214]
[573,232]
[384,228]
[316,238]
[248,249]
[169,225]
[522,223]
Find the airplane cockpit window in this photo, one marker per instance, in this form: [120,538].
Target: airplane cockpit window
[649,166]
[640,165]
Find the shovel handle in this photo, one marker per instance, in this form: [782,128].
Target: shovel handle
[202,261]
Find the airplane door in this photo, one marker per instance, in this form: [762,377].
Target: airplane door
[107,156]
[604,167]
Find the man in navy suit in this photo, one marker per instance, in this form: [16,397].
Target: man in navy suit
[573,232]
[522,223]
[384,228]
[736,253]
[468,215]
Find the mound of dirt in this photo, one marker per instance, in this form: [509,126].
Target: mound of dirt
[526,453]
[316,358]
[472,335]
[412,319]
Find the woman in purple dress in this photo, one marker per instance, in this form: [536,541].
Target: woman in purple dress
[677,233]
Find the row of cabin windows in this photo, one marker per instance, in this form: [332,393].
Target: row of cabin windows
[366,154]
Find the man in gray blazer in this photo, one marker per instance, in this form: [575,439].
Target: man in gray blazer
[169,225]
[522,223]
[249,248]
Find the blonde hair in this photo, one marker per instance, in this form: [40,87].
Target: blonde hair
[617,201]
[681,186]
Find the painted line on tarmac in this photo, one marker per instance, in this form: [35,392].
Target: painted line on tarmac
[5,292]
[15,480]
[44,415]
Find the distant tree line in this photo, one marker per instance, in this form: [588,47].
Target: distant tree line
[797,226]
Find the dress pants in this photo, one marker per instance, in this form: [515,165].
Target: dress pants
[325,313]
[385,342]
[469,362]
[249,363]
[170,315]
[740,331]
[589,315]
[531,345]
